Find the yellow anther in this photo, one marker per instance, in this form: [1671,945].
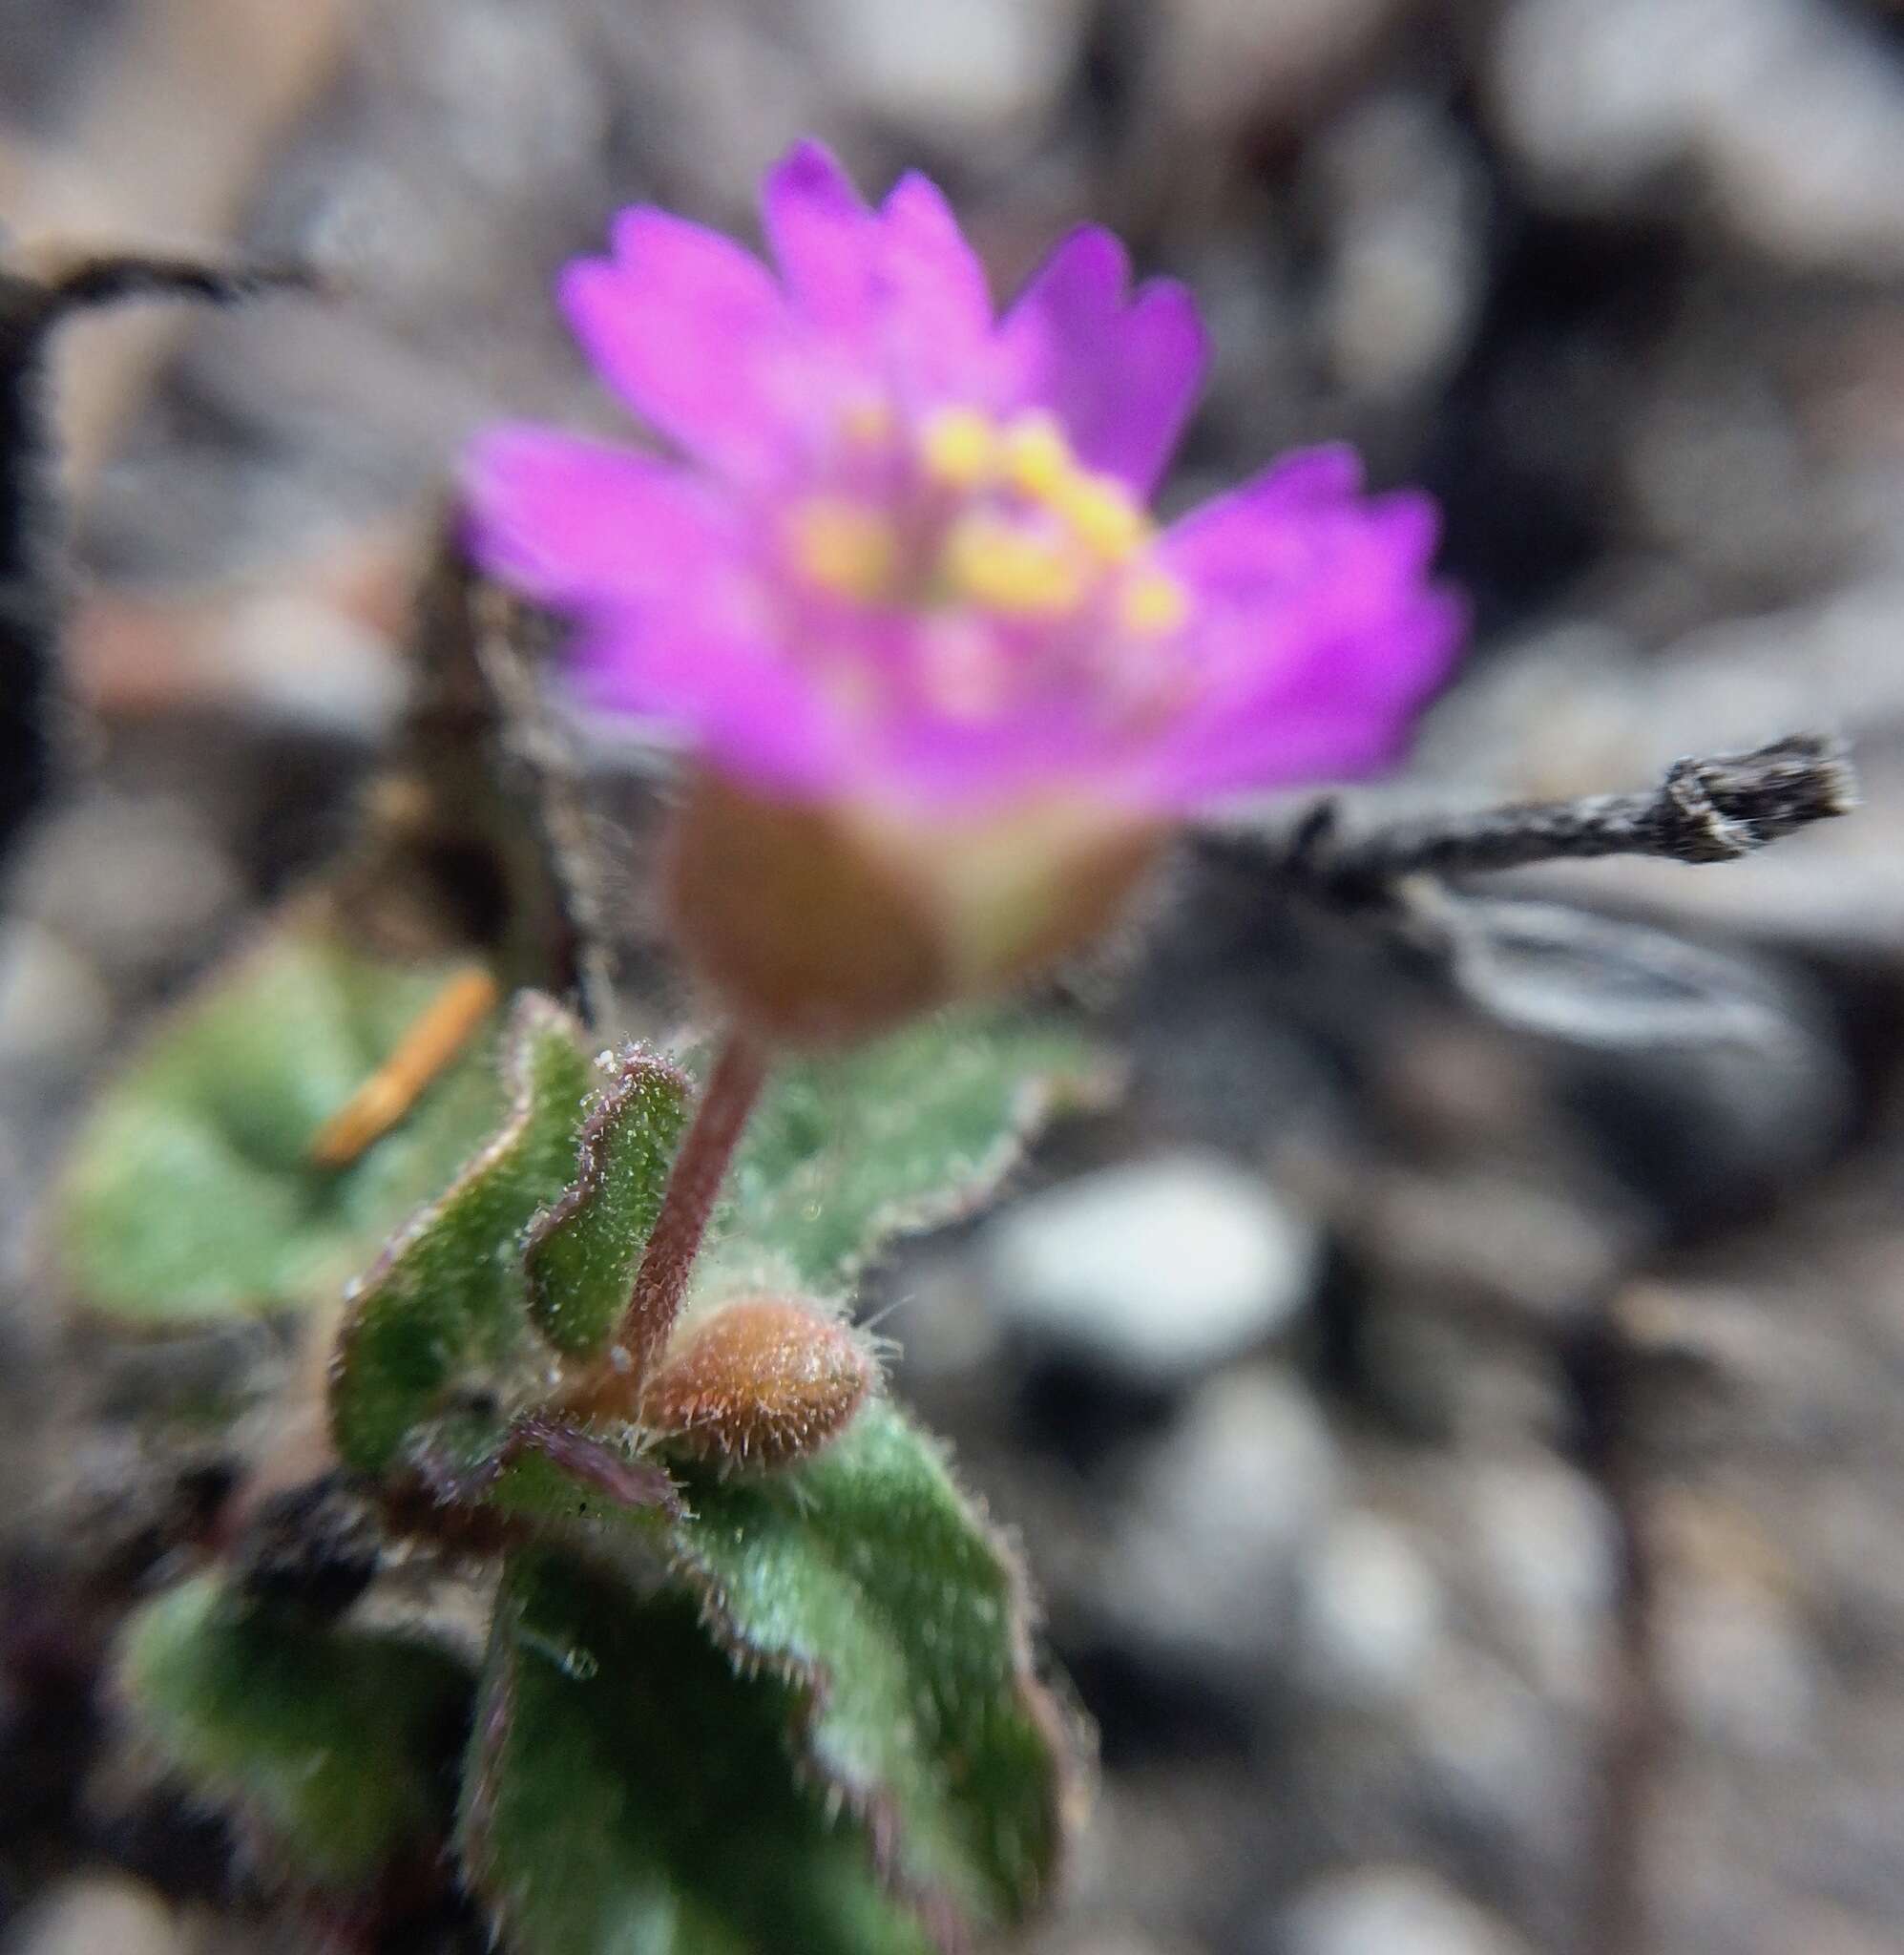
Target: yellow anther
[990,562]
[1101,512]
[959,446]
[1037,459]
[1153,603]
[844,548]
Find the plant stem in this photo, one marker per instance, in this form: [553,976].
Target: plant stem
[660,1283]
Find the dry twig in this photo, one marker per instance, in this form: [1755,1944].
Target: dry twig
[1714,810]
[1573,973]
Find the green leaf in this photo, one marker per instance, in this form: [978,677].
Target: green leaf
[336,1744]
[629,1793]
[446,1310]
[847,1151]
[583,1253]
[867,1581]
[190,1194]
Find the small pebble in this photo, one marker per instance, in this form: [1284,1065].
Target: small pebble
[1550,1550]
[1368,1611]
[1226,1505]
[97,1914]
[1156,1272]
[1384,1910]
[954,67]
[53,1006]
[134,882]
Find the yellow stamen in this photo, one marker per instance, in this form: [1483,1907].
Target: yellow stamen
[1038,457]
[959,446]
[442,1030]
[1004,569]
[1153,603]
[1101,512]
[846,549]
[1040,463]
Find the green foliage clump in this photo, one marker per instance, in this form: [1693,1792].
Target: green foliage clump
[736,1697]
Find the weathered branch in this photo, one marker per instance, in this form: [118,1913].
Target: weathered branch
[1572,973]
[37,289]
[1714,810]
[112,278]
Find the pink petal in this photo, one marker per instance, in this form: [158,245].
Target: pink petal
[1153,371]
[1074,295]
[1336,702]
[931,759]
[822,238]
[693,334]
[1122,377]
[1300,533]
[1241,536]
[935,305]
[737,700]
[1320,633]
[571,522]
[900,287]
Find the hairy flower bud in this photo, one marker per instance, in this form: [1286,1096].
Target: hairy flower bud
[764,1382]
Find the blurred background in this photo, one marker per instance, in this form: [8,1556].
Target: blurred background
[1462,1460]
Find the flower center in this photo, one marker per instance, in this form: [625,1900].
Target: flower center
[996,516]
[847,548]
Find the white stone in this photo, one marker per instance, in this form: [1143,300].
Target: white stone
[952,67]
[1496,1757]
[95,1914]
[1783,106]
[1552,1555]
[53,1005]
[134,882]
[1368,1611]
[1736,1666]
[1386,1910]
[302,663]
[1403,286]
[1224,1507]
[1156,1272]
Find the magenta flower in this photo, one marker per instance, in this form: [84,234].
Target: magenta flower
[902,573]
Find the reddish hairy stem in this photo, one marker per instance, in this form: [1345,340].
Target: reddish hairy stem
[660,1283]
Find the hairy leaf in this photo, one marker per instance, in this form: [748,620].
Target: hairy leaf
[848,1150]
[628,1790]
[192,1192]
[336,1746]
[867,1580]
[583,1253]
[446,1308]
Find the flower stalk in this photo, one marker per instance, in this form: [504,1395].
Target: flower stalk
[694,1186]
